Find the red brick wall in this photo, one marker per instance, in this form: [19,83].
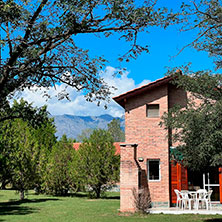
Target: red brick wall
[151,138]
[128,178]
[176,96]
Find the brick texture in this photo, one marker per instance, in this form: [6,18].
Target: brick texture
[128,178]
[152,143]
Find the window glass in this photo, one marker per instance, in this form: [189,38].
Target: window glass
[152,110]
[153,169]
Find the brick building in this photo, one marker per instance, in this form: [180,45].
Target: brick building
[145,156]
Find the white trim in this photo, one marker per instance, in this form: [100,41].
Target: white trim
[208,185]
[147,163]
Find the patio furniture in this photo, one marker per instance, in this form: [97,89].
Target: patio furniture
[209,198]
[179,198]
[201,193]
[204,197]
[193,196]
[196,199]
[186,199]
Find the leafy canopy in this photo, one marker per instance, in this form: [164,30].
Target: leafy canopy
[25,144]
[98,165]
[197,129]
[39,41]
[23,110]
[59,176]
[203,18]
[115,130]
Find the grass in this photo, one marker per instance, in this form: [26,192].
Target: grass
[78,208]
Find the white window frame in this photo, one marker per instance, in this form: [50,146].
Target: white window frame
[148,171]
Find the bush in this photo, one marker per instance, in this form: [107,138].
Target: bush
[142,200]
[59,177]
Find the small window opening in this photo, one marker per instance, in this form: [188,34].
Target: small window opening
[152,110]
[153,169]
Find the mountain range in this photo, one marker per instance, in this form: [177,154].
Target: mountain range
[73,126]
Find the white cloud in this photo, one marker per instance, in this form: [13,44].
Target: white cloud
[78,104]
[144,82]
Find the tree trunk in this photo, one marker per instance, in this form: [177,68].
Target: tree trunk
[98,191]
[3,186]
[22,195]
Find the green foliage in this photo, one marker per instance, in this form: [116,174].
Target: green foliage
[198,127]
[85,134]
[204,18]
[24,147]
[59,176]
[39,40]
[115,130]
[22,153]
[45,138]
[22,109]
[98,165]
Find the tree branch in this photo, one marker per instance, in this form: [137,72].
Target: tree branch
[192,43]
[89,13]
[203,13]
[9,40]
[21,47]
[34,17]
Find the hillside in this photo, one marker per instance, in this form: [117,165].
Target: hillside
[72,125]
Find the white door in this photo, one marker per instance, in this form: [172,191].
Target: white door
[211,182]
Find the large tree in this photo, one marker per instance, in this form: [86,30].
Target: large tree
[59,176]
[98,165]
[38,38]
[21,154]
[24,110]
[25,144]
[197,129]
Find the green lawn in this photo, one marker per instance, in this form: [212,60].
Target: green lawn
[78,209]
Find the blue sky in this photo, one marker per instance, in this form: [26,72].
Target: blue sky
[163,46]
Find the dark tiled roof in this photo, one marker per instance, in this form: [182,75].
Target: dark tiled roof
[122,98]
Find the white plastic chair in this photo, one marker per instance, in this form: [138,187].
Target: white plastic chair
[202,197]
[186,199]
[208,199]
[179,199]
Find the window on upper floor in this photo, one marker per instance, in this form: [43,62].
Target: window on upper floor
[153,169]
[152,110]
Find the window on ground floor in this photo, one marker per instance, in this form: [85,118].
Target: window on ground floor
[153,169]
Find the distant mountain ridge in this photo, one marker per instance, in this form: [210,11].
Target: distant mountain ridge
[72,125]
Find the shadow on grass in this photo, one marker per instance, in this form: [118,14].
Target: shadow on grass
[117,197]
[213,220]
[16,210]
[86,195]
[13,207]
[81,195]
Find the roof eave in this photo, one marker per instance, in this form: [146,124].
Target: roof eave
[121,99]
